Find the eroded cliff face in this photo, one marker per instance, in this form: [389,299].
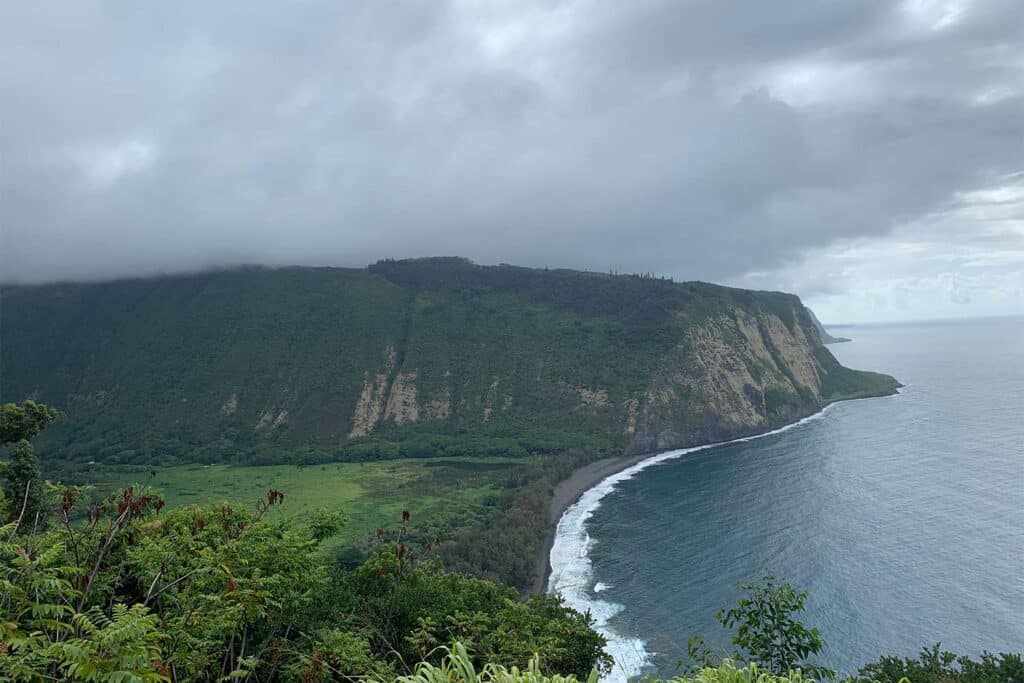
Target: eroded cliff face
[731,375]
[373,397]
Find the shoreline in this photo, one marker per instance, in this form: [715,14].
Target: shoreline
[568,491]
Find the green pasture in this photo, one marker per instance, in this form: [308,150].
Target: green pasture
[442,495]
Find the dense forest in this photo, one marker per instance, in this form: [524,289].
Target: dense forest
[414,358]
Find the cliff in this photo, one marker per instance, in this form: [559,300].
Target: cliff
[823,334]
[409,358]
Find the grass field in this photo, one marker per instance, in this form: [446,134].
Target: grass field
[442,495]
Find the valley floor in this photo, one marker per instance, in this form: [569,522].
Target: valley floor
[441,494]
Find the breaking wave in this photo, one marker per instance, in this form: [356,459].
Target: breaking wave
[572,570]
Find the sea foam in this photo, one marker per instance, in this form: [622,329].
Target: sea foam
[572,571]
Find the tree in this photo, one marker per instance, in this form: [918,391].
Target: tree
[767,630]
[24,422]
[23,486]
[23,481]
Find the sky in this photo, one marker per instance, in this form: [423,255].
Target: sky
[868,156]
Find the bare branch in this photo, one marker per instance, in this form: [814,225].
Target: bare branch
[24,504]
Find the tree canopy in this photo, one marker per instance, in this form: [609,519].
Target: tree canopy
[24,422]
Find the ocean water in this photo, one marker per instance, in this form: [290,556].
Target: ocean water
[902,516]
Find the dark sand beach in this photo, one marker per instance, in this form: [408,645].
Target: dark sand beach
[568,492]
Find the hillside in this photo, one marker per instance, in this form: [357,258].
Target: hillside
[408,358]
[823,334]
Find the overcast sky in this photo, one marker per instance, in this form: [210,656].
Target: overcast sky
[868,156]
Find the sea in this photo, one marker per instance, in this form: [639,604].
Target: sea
[902,516]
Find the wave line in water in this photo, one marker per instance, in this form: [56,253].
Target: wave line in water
[572,569]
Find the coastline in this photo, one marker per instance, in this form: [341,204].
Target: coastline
[569,491]
[567,561]
[566,493]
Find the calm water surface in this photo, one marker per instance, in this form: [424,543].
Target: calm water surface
[903,516]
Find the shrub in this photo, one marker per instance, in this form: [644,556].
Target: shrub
[456,666]
[767,632]
[936,666]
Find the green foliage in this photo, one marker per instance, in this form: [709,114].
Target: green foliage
[324,523]
[138,592]
[506,547]
[768,634]
[269,366]
[936,666]
[778,402]
[840,383]
[767,630]
[135,595]
[455,499]
[456,666]
[492,514]
[23,486]
[332,654]
[408,607]
[727,672]
[24,422]
[46,633]
[124,646]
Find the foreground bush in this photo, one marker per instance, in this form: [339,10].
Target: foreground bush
[458,667]
[136,593]
[932,666]
[409,611]
[727,672]
[125,591]
[936,666]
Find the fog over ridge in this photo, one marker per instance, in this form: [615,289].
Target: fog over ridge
[867,156]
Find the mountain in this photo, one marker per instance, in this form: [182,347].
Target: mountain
[409,358]
[823,334]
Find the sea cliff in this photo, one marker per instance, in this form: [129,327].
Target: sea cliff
[410,359]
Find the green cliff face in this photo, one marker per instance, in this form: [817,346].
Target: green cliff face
[409,358]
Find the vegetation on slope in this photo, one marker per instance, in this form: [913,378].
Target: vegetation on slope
[331,370]
[407,359]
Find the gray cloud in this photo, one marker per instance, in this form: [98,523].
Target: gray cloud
[706,140]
